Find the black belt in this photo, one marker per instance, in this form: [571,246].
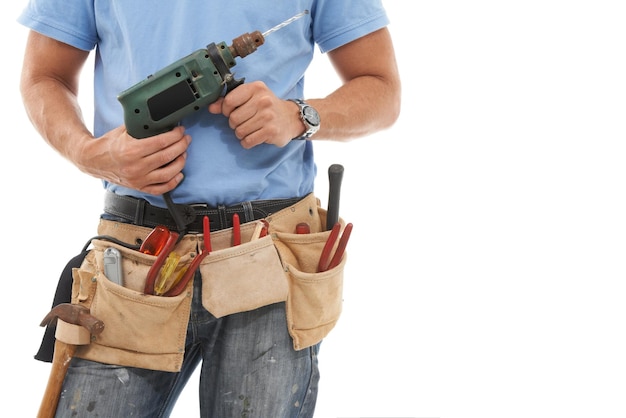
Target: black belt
[140,212]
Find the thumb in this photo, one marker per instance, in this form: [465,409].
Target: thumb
[216,106]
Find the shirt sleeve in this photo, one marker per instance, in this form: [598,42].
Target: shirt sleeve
[337,23]
[68,21]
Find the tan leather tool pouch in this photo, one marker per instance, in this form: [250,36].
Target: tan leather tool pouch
[280,267]
[314,300]
[250,275]
[243,277]
[140,330]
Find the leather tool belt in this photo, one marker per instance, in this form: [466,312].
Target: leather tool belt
[148,331]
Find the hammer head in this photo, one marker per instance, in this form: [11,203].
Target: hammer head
[76,315]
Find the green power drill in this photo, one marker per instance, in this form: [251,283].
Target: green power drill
[158,103]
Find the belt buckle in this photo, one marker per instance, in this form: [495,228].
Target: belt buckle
[191,211]
[199,206]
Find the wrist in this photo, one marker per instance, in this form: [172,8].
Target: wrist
[310,119]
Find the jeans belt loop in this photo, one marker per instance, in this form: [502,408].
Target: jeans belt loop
[221,212]
[139,211]
[248,211]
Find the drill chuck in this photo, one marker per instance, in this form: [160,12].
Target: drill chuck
[246,44]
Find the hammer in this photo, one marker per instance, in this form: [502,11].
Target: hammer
[335,177]
[75,326]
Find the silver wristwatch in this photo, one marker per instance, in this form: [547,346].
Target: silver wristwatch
[310,118]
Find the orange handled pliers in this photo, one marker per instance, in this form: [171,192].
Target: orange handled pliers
[164,252]
[179,286]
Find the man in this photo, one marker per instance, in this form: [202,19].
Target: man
[252,150]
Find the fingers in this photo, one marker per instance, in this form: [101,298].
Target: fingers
[152,165]
[255,114]
[161,150]
[216,106]
[165,178]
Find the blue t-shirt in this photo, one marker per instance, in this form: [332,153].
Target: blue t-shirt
[133,39]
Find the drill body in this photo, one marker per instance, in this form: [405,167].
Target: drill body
[158,103]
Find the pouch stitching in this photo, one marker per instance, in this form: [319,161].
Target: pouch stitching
[140,258]
[318,276]
[313,238]
[290,209]
[142,298]
[246,248]
[330,322]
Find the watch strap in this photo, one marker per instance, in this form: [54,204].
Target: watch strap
[310,129]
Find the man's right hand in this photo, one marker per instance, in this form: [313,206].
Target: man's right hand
[152,165]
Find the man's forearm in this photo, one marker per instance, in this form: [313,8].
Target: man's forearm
[49,87]
[362,106]
[55,113]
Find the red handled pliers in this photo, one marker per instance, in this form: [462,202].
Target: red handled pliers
[326,262]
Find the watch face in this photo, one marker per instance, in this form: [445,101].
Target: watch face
[311,116]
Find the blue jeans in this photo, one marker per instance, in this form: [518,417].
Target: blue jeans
[248,369]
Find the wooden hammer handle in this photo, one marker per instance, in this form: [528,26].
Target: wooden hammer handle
[63,354]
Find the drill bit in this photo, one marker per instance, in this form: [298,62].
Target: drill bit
[247,43]
[285,23]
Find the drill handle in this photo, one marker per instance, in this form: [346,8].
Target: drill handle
[232,83]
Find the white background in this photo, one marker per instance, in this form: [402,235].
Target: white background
[486,273]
